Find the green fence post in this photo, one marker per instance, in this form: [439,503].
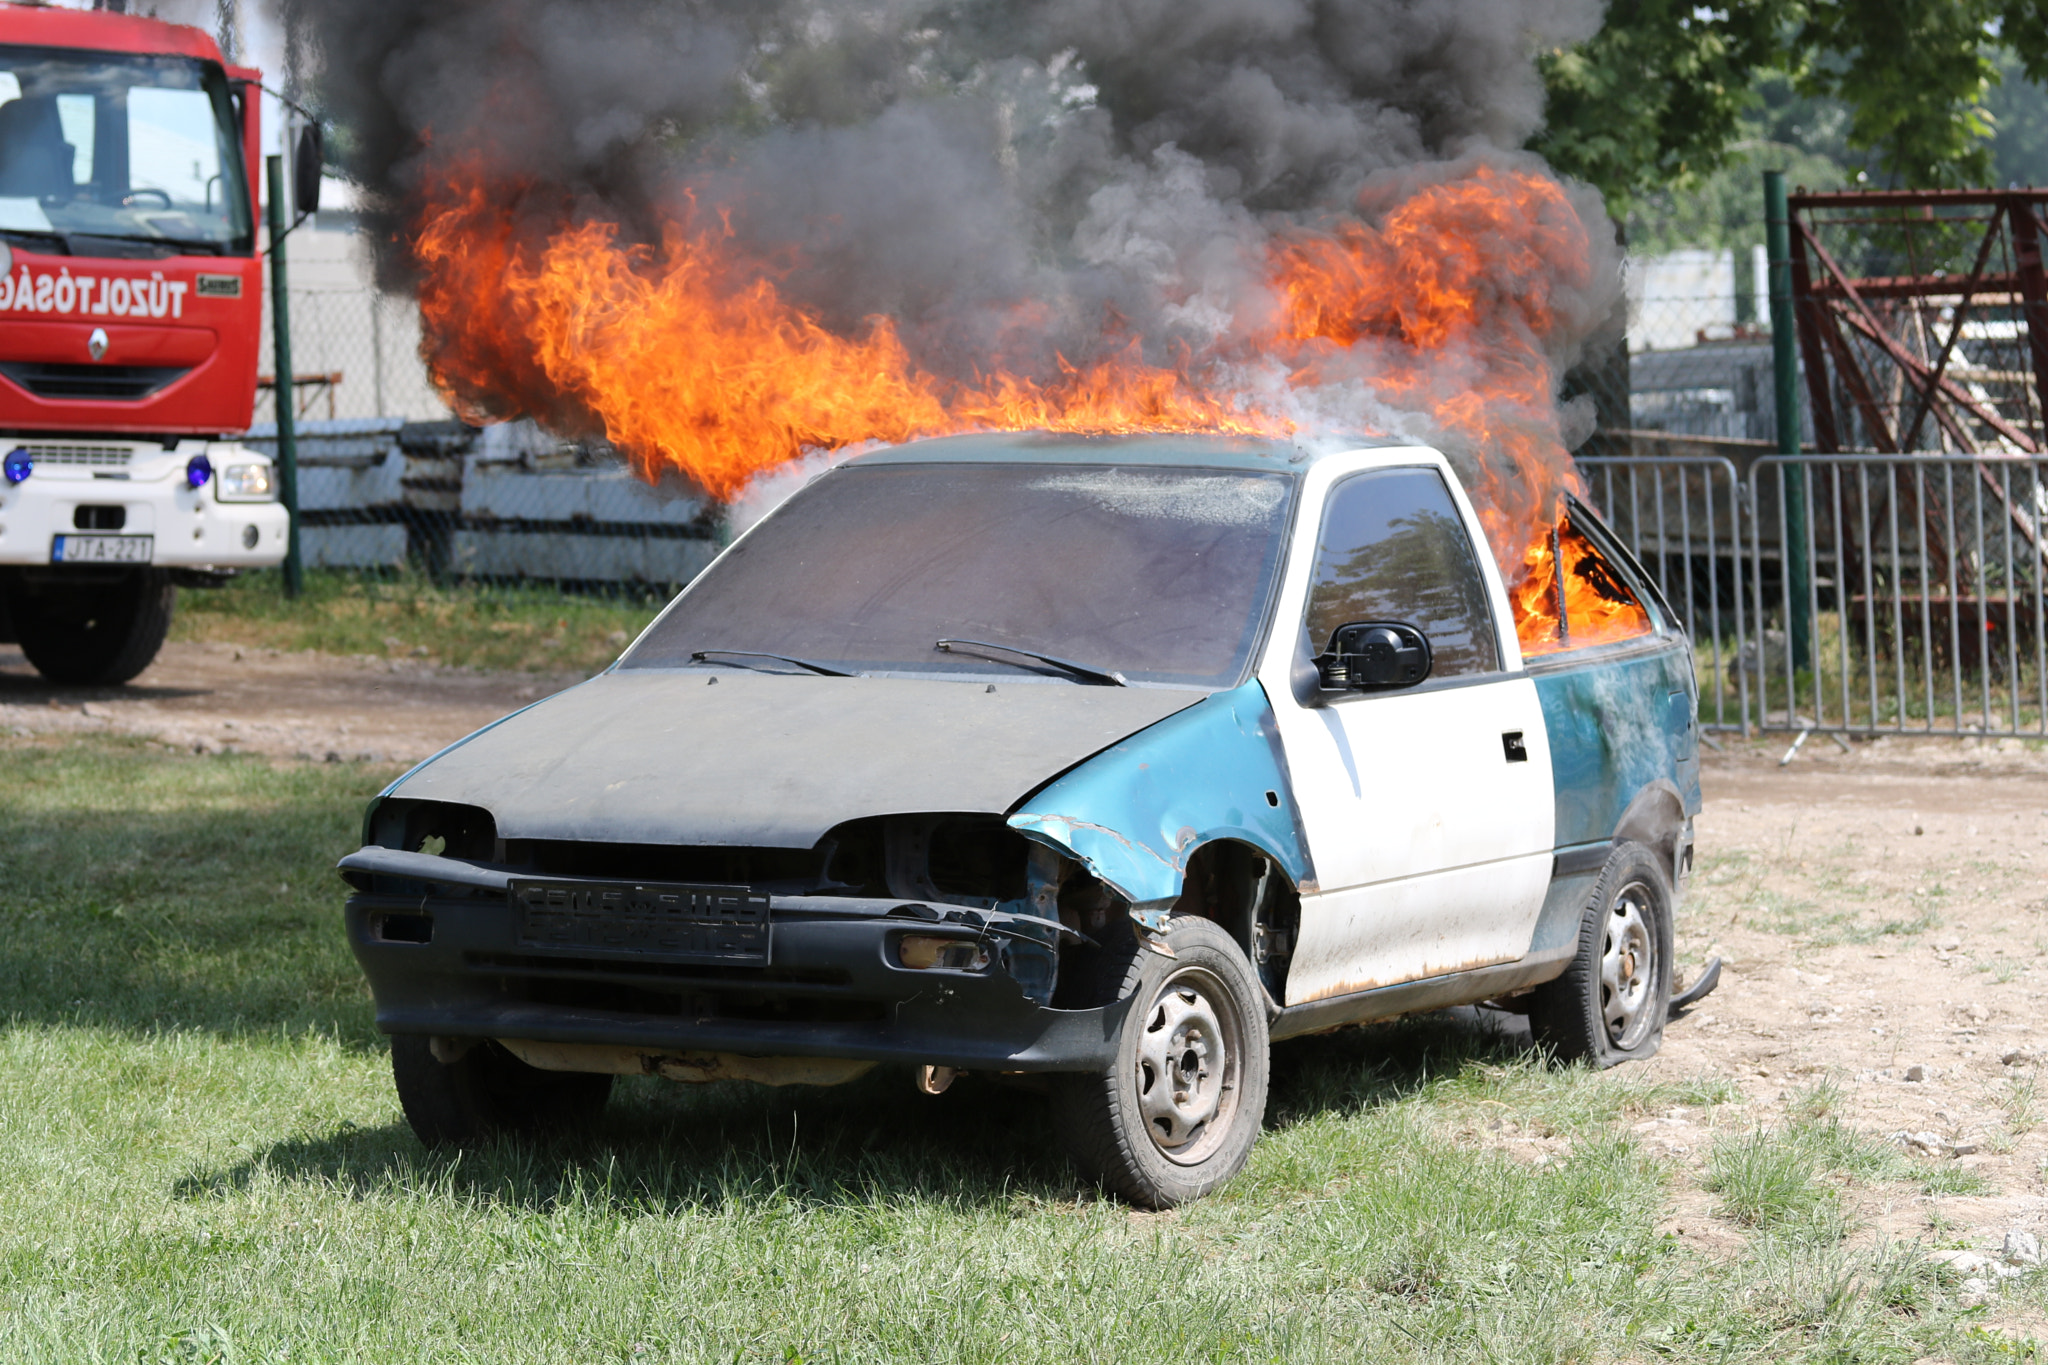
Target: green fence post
[1785,368]
[281,337]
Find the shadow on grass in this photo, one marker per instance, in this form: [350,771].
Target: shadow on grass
[1363,1068]
[662,1147]
[142,893]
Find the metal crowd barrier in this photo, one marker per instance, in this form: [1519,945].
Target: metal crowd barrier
[1683,520]
[1849,594]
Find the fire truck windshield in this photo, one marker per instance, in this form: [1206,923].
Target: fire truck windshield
[107,145]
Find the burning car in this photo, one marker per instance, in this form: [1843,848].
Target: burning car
[1107,760]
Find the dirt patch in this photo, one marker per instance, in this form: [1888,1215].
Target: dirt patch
[209,698]
[1883,916]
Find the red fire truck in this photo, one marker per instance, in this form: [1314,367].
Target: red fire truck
[130,312]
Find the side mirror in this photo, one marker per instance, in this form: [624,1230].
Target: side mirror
[307,162]
[1374,656]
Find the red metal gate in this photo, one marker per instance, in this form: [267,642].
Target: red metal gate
[1923,319]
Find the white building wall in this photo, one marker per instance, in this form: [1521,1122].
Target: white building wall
[342,324]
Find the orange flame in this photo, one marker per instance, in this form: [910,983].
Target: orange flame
[1462,267]
[686,356]
[1598,607]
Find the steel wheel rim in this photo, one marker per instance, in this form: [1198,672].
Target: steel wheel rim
[1628,967]
[1189,1066]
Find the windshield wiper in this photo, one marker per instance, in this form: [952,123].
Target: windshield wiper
[135,247]
[115,245]
[193,246]
[42,235]
[1107,676]
[828,671]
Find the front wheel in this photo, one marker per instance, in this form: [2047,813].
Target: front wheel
[1610,1005]
[486,1092]
[1178,1110]
[99,630]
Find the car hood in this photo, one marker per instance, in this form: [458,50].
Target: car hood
[761,759]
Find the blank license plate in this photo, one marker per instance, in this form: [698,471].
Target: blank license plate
[102,549]
[721,924]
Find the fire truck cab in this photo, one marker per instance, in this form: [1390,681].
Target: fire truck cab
[130,315]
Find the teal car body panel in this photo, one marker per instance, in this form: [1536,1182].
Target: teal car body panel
[1616,726]
[1138,810]
[1623,725]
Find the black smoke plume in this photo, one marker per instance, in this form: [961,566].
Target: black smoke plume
[1122,167]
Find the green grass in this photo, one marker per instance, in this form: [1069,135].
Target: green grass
[201,1159]
[1791,1179]
[499,626]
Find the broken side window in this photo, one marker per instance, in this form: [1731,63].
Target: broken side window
[1598,606]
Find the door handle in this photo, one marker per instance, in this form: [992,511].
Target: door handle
[1511,744]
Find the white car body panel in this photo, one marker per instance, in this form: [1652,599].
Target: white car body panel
[1432,851]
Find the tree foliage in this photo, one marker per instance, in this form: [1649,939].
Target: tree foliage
[1658,96]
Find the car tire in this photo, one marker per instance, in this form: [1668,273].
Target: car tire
[97,635]
[487,1093]
[1177,1112]
[1610,1005]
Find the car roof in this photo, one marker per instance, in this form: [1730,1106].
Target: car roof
[1172,449]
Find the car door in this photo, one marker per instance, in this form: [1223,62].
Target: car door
[1428,810]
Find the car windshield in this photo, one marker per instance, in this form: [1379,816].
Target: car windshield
[107,145]
[1161,574]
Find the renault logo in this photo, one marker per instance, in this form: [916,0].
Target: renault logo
[96,344]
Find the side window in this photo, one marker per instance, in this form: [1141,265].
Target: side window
[174,146]
[1393,549]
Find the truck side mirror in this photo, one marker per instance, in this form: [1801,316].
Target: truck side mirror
[307,162]
[1374,656]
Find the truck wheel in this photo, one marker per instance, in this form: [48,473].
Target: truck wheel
[94,634]
[1178,1110]
[1609,1006]
[487,1092]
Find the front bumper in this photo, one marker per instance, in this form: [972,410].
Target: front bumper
[189,527]
[833,987]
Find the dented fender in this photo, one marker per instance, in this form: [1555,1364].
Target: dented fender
[1136,812]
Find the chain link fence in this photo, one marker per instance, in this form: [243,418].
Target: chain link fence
[1693,378]
[355,350]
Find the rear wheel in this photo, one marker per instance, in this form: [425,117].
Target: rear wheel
[1610,1005]
[100,629]
[1177,1112]
[486,1092]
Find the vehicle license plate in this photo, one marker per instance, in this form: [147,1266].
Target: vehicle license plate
[102,549]
[722,924]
